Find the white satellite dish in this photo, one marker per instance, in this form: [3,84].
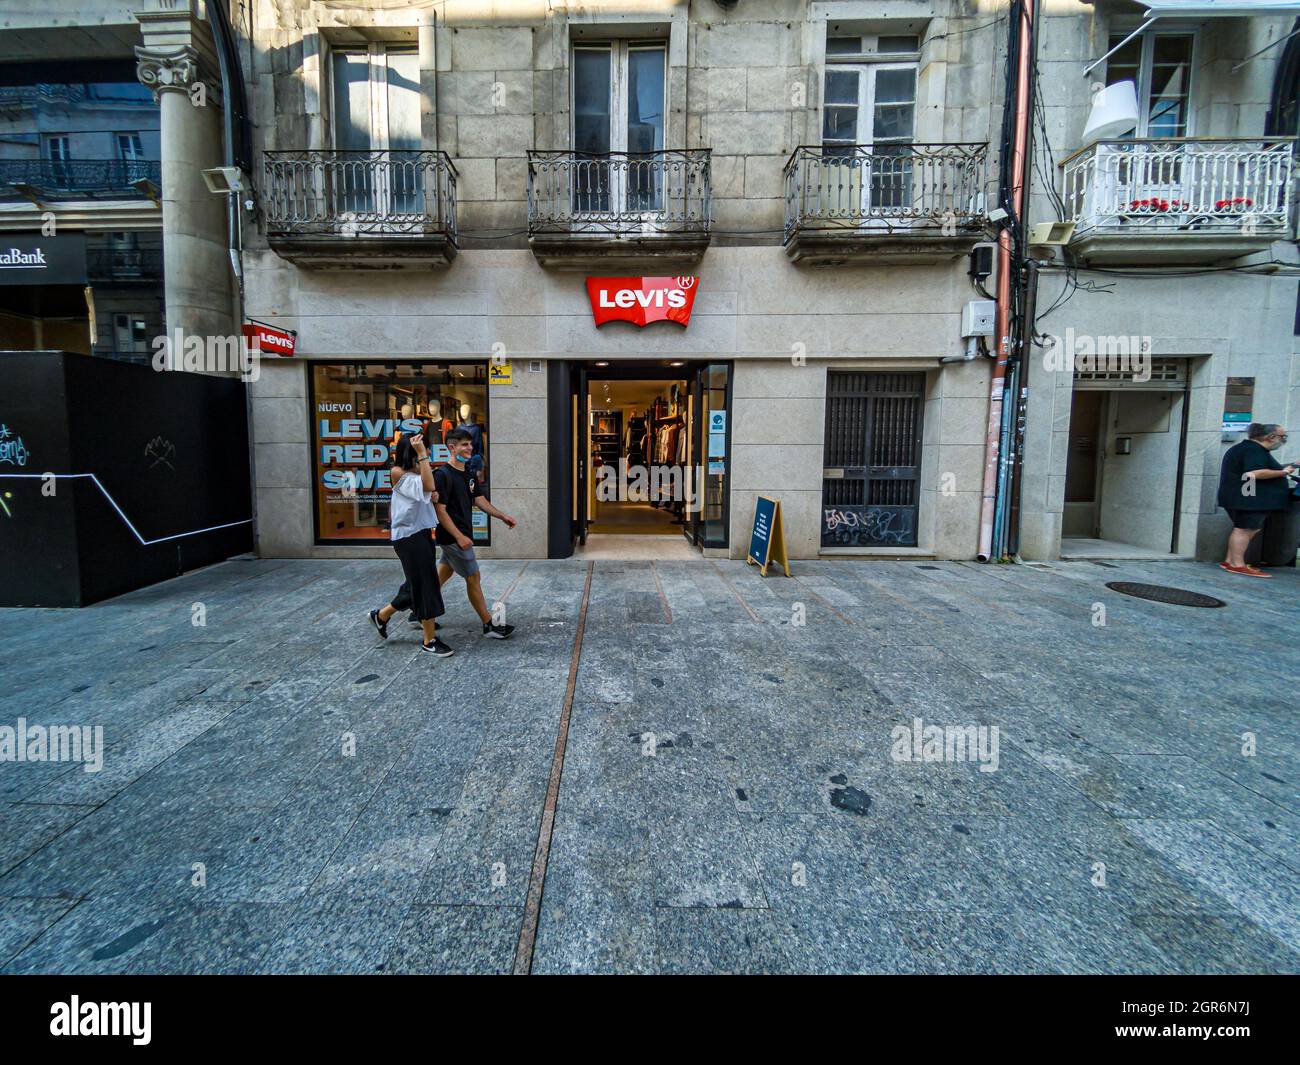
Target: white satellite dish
[1114,112]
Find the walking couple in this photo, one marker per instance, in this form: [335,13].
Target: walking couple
[425,501]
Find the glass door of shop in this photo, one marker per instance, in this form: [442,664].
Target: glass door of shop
[710,459]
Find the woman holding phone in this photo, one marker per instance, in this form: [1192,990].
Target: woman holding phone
[412,520]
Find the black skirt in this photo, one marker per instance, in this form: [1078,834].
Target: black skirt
[420,567]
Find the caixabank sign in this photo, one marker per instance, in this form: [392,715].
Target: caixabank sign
[31,259]
[642,300]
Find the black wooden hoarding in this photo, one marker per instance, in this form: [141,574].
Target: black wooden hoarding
[114,476]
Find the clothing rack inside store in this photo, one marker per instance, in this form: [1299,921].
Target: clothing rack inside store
[665,437]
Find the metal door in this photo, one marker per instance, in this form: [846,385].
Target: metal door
[872,464]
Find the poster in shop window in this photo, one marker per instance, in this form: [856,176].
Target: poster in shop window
[354,460]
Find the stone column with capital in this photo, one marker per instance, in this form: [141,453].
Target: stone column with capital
[178,62]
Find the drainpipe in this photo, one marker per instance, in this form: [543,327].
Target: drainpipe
[235,152]
[1012,201]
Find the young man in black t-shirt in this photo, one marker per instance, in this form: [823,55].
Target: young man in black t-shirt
[1252,485]
[458,492]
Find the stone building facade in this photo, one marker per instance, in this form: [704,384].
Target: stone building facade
[744,83]
[432,185]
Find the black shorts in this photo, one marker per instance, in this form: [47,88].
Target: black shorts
[420,568]
[1249,519]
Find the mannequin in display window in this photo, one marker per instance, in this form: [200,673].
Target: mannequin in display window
[469,422]
[441,424]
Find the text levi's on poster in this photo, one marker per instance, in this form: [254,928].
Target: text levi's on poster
[353,453]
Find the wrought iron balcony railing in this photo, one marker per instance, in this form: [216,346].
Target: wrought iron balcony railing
[125,263]
[620,194]
[884,187]
[360,193]
[77,178]
[1186,184]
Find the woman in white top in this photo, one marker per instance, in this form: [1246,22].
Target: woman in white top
[412,520]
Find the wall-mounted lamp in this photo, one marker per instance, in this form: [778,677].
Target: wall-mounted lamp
[149,190]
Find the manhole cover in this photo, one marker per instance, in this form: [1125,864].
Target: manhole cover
[1160,593]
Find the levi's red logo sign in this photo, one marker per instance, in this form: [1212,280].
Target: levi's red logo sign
[270,339]
[642,299]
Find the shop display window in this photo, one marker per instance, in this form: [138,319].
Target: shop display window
[359,411]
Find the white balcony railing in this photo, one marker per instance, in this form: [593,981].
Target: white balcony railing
[1196,185]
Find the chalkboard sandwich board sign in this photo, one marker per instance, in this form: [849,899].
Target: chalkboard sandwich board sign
[767,537]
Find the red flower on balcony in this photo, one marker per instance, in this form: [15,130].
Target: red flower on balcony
[1237,203]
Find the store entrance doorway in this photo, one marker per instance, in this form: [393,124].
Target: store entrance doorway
[650,445]
[634,425]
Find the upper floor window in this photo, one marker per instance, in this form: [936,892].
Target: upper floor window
[1160,65]
[619,97]
[56,147]
[871,105]
[869,119]
[376,96]
[619,103]
[868,44]
[130,147]
[869,95]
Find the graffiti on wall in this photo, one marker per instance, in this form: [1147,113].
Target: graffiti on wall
[862,526]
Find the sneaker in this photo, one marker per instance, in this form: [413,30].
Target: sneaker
[437,648]
[381,627]
[497,632]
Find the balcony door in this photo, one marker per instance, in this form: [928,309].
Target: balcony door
[376,98]
[1160,66]
[619,102]
[1153,180]
[56,148]
[868,127]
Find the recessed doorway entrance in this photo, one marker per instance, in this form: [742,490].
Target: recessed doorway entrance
[650,447]
[1124,466]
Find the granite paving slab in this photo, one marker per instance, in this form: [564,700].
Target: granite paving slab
[282,791]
